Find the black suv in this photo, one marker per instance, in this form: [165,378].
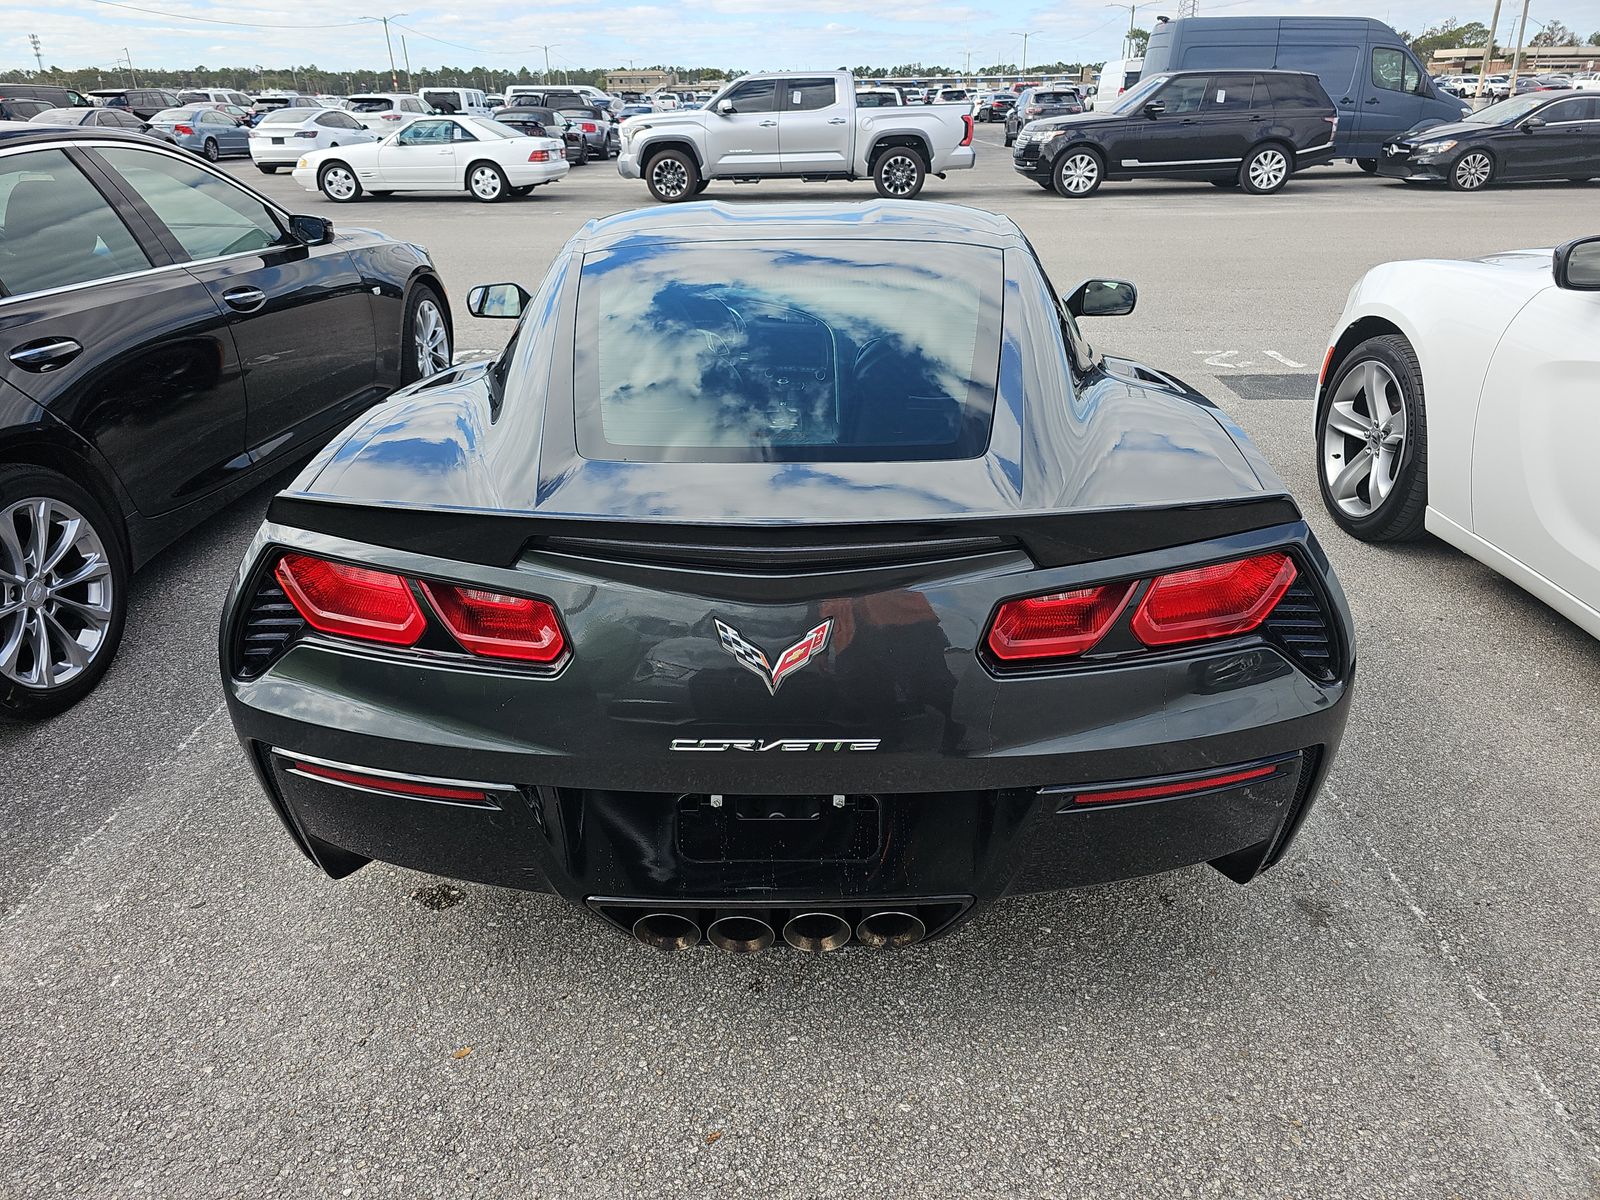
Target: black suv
[1040,104]
[142,102]
[1248,129]
[168,339]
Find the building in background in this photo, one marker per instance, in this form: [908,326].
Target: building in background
[618,82]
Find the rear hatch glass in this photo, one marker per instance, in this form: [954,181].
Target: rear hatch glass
[816,351]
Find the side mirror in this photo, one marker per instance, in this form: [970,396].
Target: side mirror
[1533,123]
[1103,298]
[1155,108]
[503,301]
[311,231]
[1577,265]
[726,108]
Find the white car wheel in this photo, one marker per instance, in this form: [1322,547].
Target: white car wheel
[487,183]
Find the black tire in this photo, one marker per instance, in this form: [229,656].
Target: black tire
[487,183]
[266,170]
[583,153]
[701,186]
[1224,183]
[1266,169]
[1368,165]
[21,699]
[380,195]
[520,192]
[899,173]
[1397,516]
[671,176]
[1473,171]
[347,188]
[1010,137]
[1077,173]
[1046,184]
[412,366]
[210,151]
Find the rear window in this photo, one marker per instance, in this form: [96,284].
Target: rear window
[1054,97]
[370,104]
[283,116]
[816,351]
[1297,91]
[173,116]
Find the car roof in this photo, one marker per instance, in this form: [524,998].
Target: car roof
[21,133]
[893,220]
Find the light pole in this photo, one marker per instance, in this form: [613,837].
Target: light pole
[38,56]
[1127,40]
[1025,36]
[1488,51]
[547,47]
[394,74]
[1516,57]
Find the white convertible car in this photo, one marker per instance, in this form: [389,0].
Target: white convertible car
[488,160]
[1463,398]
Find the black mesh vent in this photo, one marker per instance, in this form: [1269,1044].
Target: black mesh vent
[267,628]
[1300,625]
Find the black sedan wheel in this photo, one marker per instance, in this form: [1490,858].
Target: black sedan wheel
[1077,174]
[672,176]
[63,592]
[426,339]
[339,183]
[1368,165]
[899,173]
[1265,170]
[487,182]
[1473,170]
[1372,442]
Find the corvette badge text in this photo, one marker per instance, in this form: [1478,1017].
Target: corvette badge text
[762,745]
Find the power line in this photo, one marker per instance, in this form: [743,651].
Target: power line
[156,12]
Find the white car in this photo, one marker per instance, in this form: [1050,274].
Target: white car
[280,138]
[1463,398]
[384,112]
[488,160]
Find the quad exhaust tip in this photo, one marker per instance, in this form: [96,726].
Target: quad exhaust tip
[667,931]
[740,934]
[889,930]
[816,932]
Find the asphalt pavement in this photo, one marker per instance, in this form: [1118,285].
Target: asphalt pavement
[1406,1007]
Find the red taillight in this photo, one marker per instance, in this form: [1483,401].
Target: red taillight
[497,625]
[358,602]
[391,116]
[590,127]
[539,156]
[1176,787]
[392,785]
[187,130]
[966,120]
[1056,626]
[1033,110]
[1212,602]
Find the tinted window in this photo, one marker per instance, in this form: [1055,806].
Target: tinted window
[192,97]
[283,116]
[371,104]
[1184,95]
[845,351]
[1234,94]
[876,100]
[1388,69]
[808,95]
[55,229]
[1334,65]
[757,96]
[1052,98]
[1576,109]
[426,133]
[215,118]
[208,216]
[1296,92]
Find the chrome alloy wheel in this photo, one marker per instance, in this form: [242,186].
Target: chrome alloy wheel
[670,178]
[1473,171]
[1079,173]
[485,183]
[431,341]
[899,175]
[1364,438]
[55,593]
[339,183]
[1268,170]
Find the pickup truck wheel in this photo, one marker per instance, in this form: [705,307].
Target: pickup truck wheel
[899,173]
[701,186]
[672,176]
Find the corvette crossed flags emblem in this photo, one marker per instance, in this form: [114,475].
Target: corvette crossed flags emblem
[791,660]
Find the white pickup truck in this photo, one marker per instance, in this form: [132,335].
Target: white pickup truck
[794,126]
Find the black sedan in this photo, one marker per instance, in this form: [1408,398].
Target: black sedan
[168,338]
[779,579]
[1543,135]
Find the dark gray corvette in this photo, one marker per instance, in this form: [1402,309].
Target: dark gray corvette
[796,569]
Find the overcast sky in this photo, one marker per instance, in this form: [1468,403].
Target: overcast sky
[753,34]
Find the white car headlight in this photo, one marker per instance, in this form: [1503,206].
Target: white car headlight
[302,164]
[1045,135]
[1443,147]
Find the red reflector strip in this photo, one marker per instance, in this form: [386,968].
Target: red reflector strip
[410,788]
[1181,787]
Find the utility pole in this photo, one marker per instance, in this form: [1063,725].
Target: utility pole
[1488,51]
[1188,8]
[394,74]
[1127,40]
[38,56]
[1516,57]
[1025,36]
[547,47]
[133,80]
[406,54]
